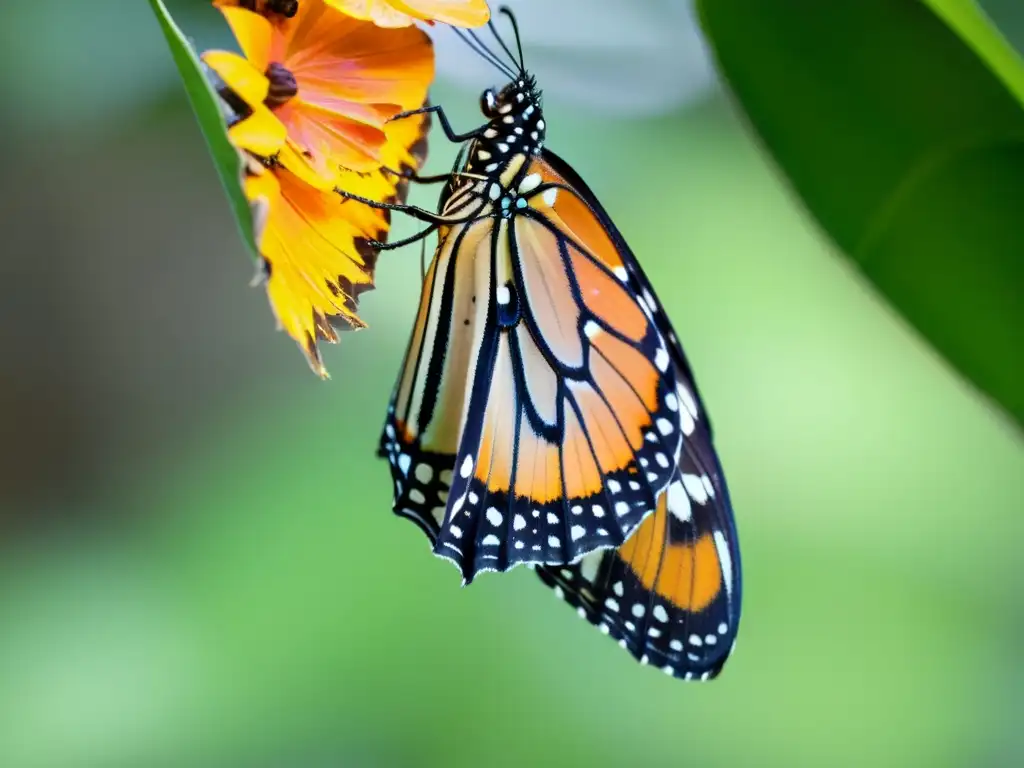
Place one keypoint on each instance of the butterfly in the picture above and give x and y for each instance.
(545, 413)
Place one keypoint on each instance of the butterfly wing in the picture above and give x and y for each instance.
(539, 386)
(671, 594)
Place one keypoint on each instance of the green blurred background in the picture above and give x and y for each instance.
(199, 565)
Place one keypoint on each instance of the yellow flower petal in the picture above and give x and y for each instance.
(318, 263)
(253, 33)
(380, 12)
(402, 13)
(458, 13)
(260, 133)
(239, 75)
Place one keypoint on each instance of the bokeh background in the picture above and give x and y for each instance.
(198, 563)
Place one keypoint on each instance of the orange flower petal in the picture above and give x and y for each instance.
(239, 75)
(458, 13)
(336, 58)
(351, 78)
(253, 33)
(292, 158)
(328, 140)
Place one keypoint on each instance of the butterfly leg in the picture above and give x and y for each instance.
(380, 246)
(422, 214)
(455, 138)
(413, 176)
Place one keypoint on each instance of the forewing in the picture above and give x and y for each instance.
(579, 427)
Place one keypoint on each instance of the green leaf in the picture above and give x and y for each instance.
(206, 105)
(900, 124)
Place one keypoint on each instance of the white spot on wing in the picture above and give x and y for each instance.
(708, 486)
(679, 502)
(494, 517)
(467, 466)
(687, 400)
(530, 183)
(695, 488)
(661, 359)
(549, 196)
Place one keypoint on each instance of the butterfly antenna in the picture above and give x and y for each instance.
(481, 50)
(494, 31)
(506, 11)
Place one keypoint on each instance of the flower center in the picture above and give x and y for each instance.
(286, 8)
(282, 85)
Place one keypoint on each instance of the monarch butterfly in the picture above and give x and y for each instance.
(545, 413)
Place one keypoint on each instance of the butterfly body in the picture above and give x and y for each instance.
(545, 413)
(494, 320)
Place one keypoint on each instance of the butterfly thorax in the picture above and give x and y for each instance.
(514, 133)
